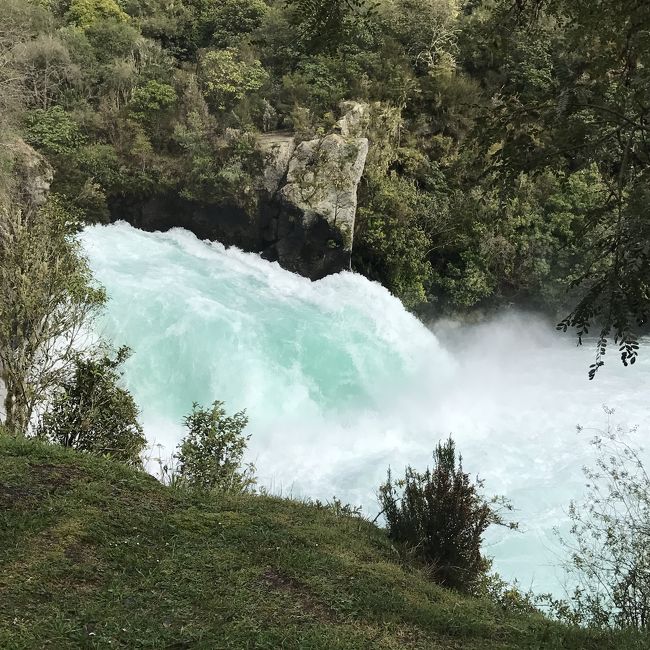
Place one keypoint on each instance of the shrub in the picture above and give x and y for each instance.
(609, 541)
(53, 130)
(92, 413)
(226, 78)
(210, 456)
(149, 100)
(441, 516)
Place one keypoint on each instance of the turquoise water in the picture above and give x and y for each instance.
(339, 381)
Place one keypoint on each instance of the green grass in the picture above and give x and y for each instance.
(94, 555)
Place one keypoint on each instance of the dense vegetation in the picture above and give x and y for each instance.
(508, 157)
(97, 555)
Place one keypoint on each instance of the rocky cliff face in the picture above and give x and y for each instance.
(31, 173)
(307, 201)
(311, 205)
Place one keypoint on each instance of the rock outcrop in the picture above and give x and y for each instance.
(32, 173)
(311, 207)
(307, 200)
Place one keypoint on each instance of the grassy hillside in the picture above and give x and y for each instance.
(95, 555)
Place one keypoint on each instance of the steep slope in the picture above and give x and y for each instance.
(95, 555)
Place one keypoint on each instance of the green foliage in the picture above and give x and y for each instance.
(326, 25)
(86, 13)
(608, 541)
(110, 40)
(226, 78)
(524, 248)
(47, 70)
(228, 23)
(152, 105)
(441, 516)
(319, 84)
(217, 169)
(47, 299)
(151, 98)
(427, 31)
(577, 102)
(394, 242)
(210, 455)
(53, 130)
(92, 413)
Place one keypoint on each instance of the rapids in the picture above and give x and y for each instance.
(340, 382)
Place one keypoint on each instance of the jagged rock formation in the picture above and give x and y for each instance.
(307, 200)
(311, 207)
(31, 173)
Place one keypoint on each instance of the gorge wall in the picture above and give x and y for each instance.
(306, 201)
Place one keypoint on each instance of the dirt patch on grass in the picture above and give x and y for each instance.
(42, 479)
(55, 476)
(79, 553)
(17, 496)
(308, 602)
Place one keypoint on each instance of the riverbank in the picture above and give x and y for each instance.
(96, 555)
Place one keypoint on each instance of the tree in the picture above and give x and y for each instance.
(91, 412)
(147, 101)
(326, 25)
(576, 94)
(47, 300)
(85, 13)
(228, 22)
(20, 22)
(151, 105)
(394, 225)
(427, 30)
(210, 455)
(47, 69)
(441, 515)
(226, 78)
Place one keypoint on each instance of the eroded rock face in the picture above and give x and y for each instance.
(278, 148)
(33, 173)
(355, 120)
(306, 208)
(317, 206)
(310, 197)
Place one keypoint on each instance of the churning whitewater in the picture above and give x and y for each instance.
(340, 382)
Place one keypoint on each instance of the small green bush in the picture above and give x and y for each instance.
(92, 413)
(441, 516)
(53, 130)
(210, 456)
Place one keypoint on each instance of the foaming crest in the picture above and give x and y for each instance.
(340, 381)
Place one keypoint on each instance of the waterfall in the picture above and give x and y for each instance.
(339, 381)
